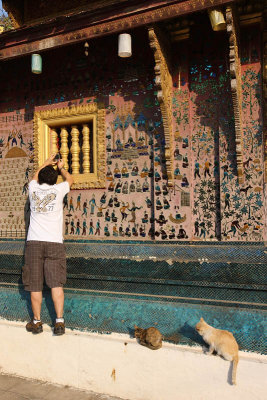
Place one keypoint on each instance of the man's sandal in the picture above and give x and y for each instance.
(59, 328)
(34, 328)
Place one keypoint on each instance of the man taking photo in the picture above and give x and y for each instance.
(45, 252)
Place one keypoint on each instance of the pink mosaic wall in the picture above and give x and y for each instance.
(206, 202)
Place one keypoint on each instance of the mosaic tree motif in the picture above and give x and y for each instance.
(242, 210)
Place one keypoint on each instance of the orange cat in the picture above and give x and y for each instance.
(150, 337)
(223, 342)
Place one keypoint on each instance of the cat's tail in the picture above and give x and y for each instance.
(235, 362)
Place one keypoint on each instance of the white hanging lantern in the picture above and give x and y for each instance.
(125, 45)
(217, 20)
(36, 64)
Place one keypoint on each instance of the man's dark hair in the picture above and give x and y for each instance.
(48, 175)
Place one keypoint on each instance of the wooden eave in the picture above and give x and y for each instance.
(72, 29)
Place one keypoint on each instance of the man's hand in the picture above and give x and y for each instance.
(60, 164)
(50, 160)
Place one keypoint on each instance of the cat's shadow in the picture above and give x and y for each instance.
(131, 332)
(190, 333)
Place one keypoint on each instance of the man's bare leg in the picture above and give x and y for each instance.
(36, 300)
(58, 299)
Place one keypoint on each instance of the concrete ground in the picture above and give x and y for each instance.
(15, 388)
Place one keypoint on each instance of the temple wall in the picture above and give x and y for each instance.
(206, 202)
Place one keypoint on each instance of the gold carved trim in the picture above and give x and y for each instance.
(60, 117)
(236, 87)
(164, 95)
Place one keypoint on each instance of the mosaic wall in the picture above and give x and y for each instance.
(206, 202)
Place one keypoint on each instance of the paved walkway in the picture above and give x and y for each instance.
(14, 388)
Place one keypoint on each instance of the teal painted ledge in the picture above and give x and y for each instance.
(176, 321)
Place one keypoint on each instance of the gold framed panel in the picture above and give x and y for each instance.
(46, 119)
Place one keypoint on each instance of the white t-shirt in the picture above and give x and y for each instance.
(46, 201)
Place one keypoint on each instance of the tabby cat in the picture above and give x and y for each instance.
(150, 337)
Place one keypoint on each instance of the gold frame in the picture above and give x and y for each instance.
(46, 119)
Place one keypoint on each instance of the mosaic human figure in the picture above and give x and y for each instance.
(118, 143)
(14, 140)
(207, 168)
(177, 170)
(227, 201)
(166, 204)
(27, 172)
(182, 233)
(172, 233)
(197, 168)
(157, 176)
(196, 224)
(111, 186)
(98, 227)
(78, 204)
(135, 169)
(132, 210)
(66, 227)
(144, 171)
(165, 190)
(117, 173)
(185, 161)
(21, 140)
(158, 204)
(148, 202)
(132, 187)
(125, 188)
(92, 204)
(78, 227)
(128, 231)
(25, 188)
(138, 186)
(234, 226)
(103, 198)
(118, 187)
(185, 182)
(85, 208)
(71, 205)
(157, 190)
(91, 227)
(72, 226)
(142, 232)
(145, 186)
(145, 218)
(84, 227)
(115, 230)
(107, 216)
(106, 231)
(225, 173)
(65, 202)
(202, 230)
(113, 216)
(123, 208)
(124, 171)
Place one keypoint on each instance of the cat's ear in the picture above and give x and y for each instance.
(135, 327)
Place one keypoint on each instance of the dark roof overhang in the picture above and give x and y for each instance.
(80, 27)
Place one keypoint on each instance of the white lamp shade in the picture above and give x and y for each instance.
(125, 45)
(36, 64)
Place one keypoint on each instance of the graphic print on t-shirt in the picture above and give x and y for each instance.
(39, 204)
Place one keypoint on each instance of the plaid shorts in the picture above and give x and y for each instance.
(44, 260)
